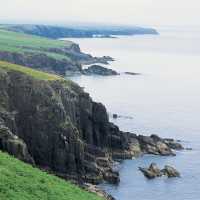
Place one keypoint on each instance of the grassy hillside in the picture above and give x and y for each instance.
(28, 71)
(19, 181)
(20, 42)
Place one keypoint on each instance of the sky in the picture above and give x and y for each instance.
(127, 12)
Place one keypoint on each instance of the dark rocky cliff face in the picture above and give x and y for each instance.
(58, 127)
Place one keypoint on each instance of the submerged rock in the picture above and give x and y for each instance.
(99, 70)
(132, 73)
(188, 149)
(115, 116)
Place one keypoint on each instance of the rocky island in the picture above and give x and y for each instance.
(153, 171)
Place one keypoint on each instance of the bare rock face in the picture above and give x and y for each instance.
(13, 145)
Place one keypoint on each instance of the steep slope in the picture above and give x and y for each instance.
(52, 123)
(19, 181)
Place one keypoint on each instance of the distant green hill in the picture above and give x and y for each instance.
(23, 43)
(40, 53)
(20, 181)
(43, 53)
(78, 31)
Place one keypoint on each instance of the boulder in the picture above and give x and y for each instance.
(173, 144)
(155, 145)
(154, 168)
(163, 149)
(111, 177)
(153, 171)
(170, 171)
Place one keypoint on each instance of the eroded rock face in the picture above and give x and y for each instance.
(13, 144)
(57, 126)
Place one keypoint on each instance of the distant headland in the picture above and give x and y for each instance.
(55, 32)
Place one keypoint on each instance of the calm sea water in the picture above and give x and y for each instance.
(164, 100)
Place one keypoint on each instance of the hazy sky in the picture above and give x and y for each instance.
(134, 12)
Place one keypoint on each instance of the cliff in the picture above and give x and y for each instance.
(53, 124)
(45, 54)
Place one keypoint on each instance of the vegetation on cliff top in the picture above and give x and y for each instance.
(20, 181)
(21, 43)
(39, 75)
(30, 72)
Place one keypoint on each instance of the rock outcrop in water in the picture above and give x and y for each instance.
(56, 126)
(153, 171)
(99, 70)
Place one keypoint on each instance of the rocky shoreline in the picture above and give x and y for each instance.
(56, 126)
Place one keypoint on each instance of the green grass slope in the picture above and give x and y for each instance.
(20, 181)
(21, 43)
(30, 72)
